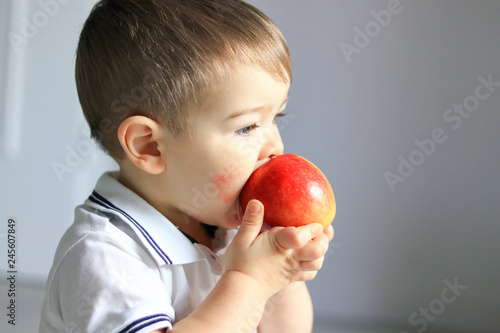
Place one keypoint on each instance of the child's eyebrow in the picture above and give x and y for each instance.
(257, 109)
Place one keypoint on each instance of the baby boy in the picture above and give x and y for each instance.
(184, 95)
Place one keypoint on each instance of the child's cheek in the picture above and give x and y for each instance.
(222, 182)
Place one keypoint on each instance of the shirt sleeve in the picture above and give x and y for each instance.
(103, 285)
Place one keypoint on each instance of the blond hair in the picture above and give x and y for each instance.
(156, 58)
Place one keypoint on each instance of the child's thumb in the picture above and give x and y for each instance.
(251, 222)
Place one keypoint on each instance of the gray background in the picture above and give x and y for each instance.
(392, 250)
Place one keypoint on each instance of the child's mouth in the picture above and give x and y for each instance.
(263, 161)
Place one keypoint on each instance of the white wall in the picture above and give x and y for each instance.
(41, 124)
(392, 250)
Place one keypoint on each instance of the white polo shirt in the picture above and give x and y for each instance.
(123, 267)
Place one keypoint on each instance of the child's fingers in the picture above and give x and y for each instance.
(250, 224)
(306, 275)
(312, 265)
(295, 238)
(329, 232)
(314, 249)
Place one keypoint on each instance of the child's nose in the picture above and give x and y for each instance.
(272, 144)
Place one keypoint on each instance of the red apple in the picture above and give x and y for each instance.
(293, 190)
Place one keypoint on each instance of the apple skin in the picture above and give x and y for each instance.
(293, 190)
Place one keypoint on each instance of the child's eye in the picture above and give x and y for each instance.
(247, 130)
(280, 115)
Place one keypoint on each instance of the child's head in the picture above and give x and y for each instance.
(184, 95)
(158, 58)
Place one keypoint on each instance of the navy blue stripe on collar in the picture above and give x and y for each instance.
(194, 241)
(100, 200)
(139, 324)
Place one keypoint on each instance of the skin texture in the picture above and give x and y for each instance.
(222, 181)
(196, 179)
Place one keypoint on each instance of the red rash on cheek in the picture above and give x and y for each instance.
(222, 184)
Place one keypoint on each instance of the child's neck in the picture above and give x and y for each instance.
(199, 232)
(193, 228)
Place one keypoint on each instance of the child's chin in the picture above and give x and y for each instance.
(234, 221)
(239, 212)
(234, 217)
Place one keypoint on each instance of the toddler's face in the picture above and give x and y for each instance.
(234, 133)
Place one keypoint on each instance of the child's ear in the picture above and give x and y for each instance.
(140, 137)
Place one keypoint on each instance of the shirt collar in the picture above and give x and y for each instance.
(165, 242)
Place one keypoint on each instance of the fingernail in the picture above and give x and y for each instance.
(254, 208)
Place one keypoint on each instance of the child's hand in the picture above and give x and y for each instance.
(279, 256)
